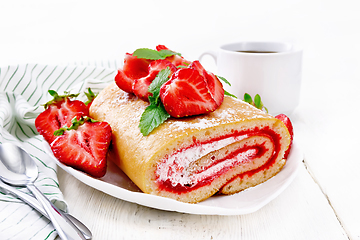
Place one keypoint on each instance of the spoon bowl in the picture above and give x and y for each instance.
(16, 166)
(19, 169)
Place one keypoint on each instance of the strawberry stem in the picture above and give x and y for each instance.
(58, 98)
(75, 123)
(90, 96)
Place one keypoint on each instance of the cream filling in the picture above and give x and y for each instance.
(176, 167)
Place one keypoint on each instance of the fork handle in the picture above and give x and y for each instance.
(64, 227)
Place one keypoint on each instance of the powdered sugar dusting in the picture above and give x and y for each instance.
(200, 124)
(123, 98)
(203, 122)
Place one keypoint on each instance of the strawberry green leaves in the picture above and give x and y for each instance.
(74, 125)
(90, 96)
(58, 98)
(155, 114)
(257, 101)
(154, 54)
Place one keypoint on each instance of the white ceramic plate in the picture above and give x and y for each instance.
(117, 184)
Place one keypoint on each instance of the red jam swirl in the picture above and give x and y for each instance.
(248, 153)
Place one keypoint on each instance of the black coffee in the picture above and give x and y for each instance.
(257, 51)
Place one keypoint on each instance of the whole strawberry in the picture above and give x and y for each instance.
(83, 145)
(59, 112)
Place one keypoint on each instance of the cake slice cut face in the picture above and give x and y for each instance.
(190, 159)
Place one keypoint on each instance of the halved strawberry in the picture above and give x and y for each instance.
(186, 94)
(59, 112)
(175, 59)
(286, 120)
(141, 85)
(214, 85)
(84, 146)
(133, 68)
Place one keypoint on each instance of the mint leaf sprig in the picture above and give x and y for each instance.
(152, 54)
(257, 101)
(155, 114)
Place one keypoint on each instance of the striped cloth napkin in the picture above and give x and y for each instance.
(23, 90)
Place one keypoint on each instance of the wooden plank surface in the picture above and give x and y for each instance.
(300, 212)
(327, 133)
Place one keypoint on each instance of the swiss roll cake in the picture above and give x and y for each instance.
(189, 159)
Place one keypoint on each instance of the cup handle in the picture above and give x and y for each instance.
(211, 53)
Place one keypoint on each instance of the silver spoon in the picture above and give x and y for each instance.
(19, 169)
(33, 202)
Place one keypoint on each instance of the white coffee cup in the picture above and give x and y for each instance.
(270, 69)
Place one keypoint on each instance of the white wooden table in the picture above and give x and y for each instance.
(323, 200)
(321, 203)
